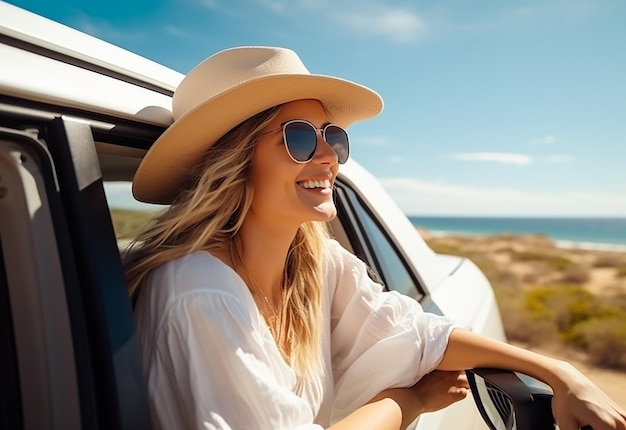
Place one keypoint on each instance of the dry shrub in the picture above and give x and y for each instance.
(575, 275)
(530, 278)
(528, 256)
(612, 260)
(608, 260)
(518, 324)
(564, 305)
(507, 249)
(444, 248)
(604, 339)
(616, 301)
(556, 262)
(569, 313)
(533, 333)
(534, 240)
(593, 324)
(498, 277)
(612, 291)
(128, 223)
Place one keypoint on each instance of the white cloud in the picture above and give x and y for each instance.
(373, 141)
(544, 140)
(557, 158)
(526, 19)
(437, 198)
(311, 4)
(277, 6)
(175, 31)
(368, 18)
(281, 6)
(396, 24)
(103, 30)
(565, 10)
(496, 157)
(210, 4)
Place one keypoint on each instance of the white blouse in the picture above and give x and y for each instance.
(212, 363)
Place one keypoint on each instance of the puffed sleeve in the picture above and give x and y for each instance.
(213, 369)
(379, 339)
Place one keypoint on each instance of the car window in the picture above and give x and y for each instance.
(129, 216)
(381, 252)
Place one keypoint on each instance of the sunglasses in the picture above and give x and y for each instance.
(300, 138)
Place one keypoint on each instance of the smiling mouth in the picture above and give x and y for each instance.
(310, 185)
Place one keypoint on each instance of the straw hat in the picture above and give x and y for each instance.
(228, 88)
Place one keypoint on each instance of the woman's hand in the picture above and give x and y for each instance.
(401, 406)
(578, 402)
(441, 388)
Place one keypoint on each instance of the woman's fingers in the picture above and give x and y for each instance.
(462, 380)
(441, 388)
(589, 408)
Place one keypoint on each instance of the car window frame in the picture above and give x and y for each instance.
(349, 203)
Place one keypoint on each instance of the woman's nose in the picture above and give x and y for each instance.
(324, 153)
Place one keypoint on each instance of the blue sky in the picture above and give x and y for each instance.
(491, 108)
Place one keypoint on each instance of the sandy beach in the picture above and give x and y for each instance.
(526, 269)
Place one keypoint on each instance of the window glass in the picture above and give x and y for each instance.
(129, 216)
(394, 271)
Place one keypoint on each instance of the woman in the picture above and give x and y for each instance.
(248, 315)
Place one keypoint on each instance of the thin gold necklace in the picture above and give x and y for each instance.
(273, 320)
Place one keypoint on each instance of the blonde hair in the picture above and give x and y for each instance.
(209, 213)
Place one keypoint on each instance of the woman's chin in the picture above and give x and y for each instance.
(325, 212)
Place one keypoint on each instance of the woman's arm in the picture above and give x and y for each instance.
(396, 408)
(368, 326)
(577, 401)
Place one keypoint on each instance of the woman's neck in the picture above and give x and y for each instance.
(263, 251)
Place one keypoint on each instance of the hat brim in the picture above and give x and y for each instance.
(164, 170)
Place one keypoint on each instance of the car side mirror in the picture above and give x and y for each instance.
(511, 401)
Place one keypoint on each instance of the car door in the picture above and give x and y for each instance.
(69, 355)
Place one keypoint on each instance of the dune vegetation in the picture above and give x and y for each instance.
(550, 296)
(127, 223)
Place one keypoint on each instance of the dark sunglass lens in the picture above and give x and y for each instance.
(337, 138)
(301, 141)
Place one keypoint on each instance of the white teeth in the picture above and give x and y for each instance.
(315, 184)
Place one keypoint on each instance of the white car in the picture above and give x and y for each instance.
(76, 112)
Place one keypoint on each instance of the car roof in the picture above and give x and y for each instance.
(55, 64)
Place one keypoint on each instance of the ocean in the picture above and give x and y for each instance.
(587, 233)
